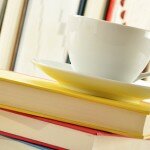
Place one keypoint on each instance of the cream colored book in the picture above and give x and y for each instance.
(65, 136)
(10, 31)
(49, 99)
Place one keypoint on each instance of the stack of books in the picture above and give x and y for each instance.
(44, 113)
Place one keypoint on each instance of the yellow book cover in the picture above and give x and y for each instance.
(48, 99)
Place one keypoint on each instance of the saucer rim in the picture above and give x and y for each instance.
(39, 61)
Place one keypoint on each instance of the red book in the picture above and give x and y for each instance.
(110, 10)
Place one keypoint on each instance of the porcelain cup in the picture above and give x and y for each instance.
(103, 49)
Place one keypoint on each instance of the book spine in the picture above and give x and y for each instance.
(106, 9)
(116, 12)
(110, 10)
(3, 4)
(20, 29)
(81, 8)
(9, 32)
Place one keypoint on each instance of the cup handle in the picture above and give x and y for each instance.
(143, 75)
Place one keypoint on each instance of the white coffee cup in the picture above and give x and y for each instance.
(108, 50)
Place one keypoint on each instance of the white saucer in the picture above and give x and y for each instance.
(97, 86)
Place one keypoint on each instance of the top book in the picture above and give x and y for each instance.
(48, 99)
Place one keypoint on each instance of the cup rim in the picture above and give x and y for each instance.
(112, 23)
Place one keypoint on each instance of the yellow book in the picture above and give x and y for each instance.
(48, 99)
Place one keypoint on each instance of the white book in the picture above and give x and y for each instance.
(138, 13)
(43, 33)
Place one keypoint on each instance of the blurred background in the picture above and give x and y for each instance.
(36, 28)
